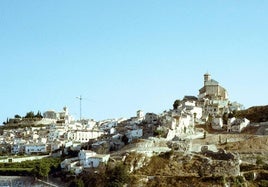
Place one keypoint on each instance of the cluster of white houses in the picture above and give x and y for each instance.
(210, 106)
(59, 131)
(62, 132)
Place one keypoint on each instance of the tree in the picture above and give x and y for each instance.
(176, 104)
(225, 118)
(77, 183)
(17, 116)
(230, 115)
(259, 161)
(159, 133)
(117, 176)
(204, 135)
(30, 115)
(125, 139)
(6, 122)
(92, 178)
(42, 168)
(38, 115)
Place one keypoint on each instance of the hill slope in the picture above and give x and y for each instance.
(255, 114)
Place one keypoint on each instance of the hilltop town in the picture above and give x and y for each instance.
(200, 140)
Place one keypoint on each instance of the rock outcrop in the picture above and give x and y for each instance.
(136, 161)
(180, 146)
(218, 163)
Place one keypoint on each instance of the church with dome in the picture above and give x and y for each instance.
(212, 90)
(213, 98)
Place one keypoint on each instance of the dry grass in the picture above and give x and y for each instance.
(252, 145)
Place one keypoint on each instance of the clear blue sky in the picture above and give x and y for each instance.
(122, 56)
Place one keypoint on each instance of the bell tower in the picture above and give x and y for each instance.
(207, 77)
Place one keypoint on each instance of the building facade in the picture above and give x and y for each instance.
(212, 89)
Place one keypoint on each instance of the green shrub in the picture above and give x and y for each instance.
(247, 167)
(167, 155)
(77, 183)
(237, 181)
(117, 176)
(39, 168)
(249, 176)
(265, 166)
(263, 183)
(259, 161)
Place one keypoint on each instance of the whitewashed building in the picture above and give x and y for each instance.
(197, 112)
(63, 116)
(17, 148)
(237, 124)
(235, 106)
(83, 136)
(137, 119)
(90, 159)
(140, 114)
(217, 123)
(89, 124)
(134, 134)
(85, 159)
(108, 125)
(56, 145)
(185, 124)
(35, 148)
(66, 163)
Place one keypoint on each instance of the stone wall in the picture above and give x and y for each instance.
(180, 146)
(150, 147)
(219, 163)
(21, 159)
(16, 181)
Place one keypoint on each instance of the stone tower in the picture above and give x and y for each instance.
(207, 77)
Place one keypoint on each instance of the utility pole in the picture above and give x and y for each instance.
(80, 99)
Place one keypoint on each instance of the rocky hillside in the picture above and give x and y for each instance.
(241, 161)
(205, 169)
(255, 114)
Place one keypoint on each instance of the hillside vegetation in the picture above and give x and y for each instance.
(255, 114)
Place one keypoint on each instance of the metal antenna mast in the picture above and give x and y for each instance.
(80, 99)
